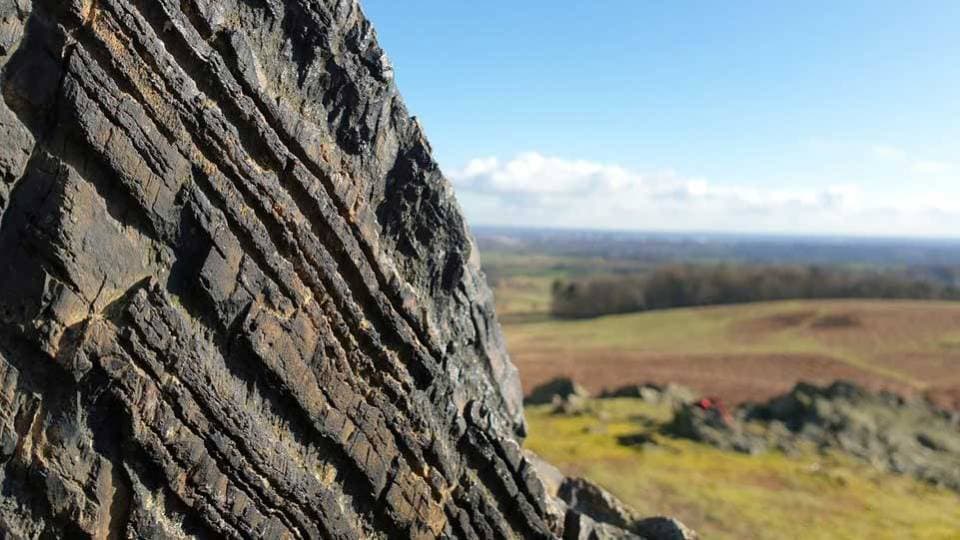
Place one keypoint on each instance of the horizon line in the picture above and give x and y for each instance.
(745, 234)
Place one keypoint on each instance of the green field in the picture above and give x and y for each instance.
(522, 282)
(739, 352)
(901, 345)
(744, 352)
(725, 495)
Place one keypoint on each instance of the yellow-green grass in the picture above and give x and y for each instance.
(733, 496)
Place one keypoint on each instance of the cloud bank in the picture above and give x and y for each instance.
(532, 189)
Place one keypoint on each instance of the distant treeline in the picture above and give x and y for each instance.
(707, 285)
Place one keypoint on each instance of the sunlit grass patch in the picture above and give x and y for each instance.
(729, 495)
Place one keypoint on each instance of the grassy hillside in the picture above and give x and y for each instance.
(752, 352)
(731, 496)
(745, 352)
(522, 281)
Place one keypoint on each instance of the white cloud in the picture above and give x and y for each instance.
(932, 167)
(539, 190)
(532, 174)
(889, 152)
(911, 163)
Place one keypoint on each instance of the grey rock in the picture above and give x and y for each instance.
(906, 436)
(237, 296)
(714, 427)
(551, 391)
(892, 433)
(590, 499)
(663, 528)
(566, 396)
(571, 405)
(580, 526)
(594, 513)
(671, 394)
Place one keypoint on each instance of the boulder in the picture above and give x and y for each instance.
(596, 513)
(909, 436)
(714, 426)
(237, 296)
(555, 390)
(671, 394)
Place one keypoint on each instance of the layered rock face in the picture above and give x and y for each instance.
(237, 297)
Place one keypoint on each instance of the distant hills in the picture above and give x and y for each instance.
(666, 247)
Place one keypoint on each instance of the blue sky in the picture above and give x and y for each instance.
(837, 117)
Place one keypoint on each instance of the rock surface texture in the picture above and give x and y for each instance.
(237, 297)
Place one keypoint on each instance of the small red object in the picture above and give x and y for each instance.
(716, 404)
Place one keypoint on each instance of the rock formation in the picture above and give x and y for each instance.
(892, 433)
(237, 297)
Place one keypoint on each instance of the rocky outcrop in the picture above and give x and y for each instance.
(595, 513)
(565, 395)
(882, 429)
(237, 297)
(905, 436)
(671, 394)
(557, 389)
